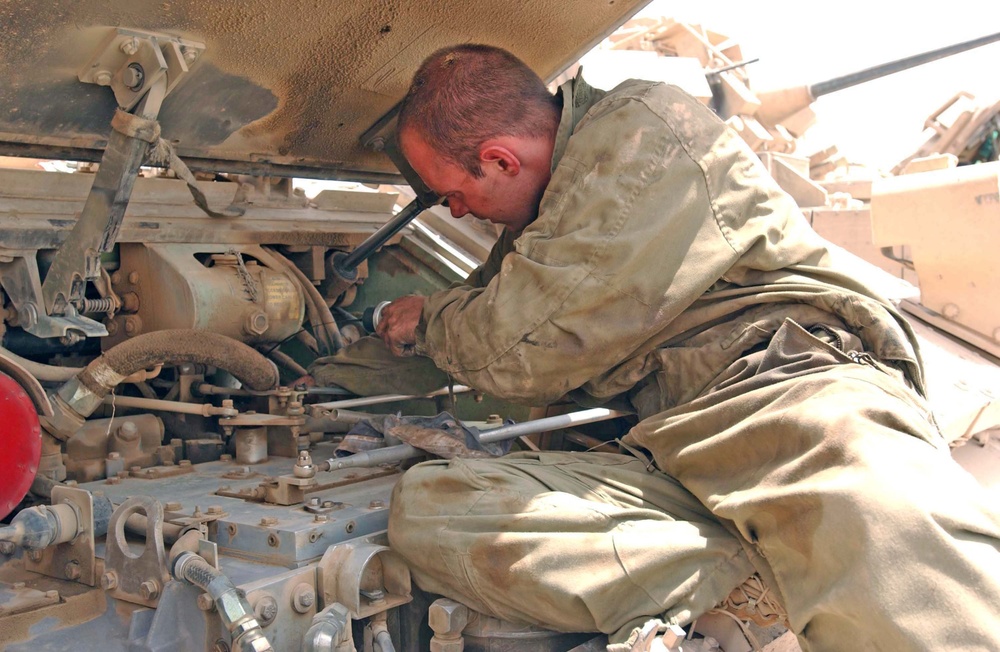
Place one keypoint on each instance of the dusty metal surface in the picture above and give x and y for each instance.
(290, 84)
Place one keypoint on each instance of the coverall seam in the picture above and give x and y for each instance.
(698, 161)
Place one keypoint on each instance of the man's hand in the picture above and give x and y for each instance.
(398, 323)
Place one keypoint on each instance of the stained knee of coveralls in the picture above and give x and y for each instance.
(517, 542)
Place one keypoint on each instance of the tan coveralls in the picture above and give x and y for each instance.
(667, 274)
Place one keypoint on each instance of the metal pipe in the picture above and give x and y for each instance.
(548, 423)
(204, 410)
(392, 454)
(388, 398)
(868, 74)
(734, 66)
(231, 603)
(349, 263)
(43, 372)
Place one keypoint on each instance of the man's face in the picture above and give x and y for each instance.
(510, 200)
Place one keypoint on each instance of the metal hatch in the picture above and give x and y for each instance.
(283, 88)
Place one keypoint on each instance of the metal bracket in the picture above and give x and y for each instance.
(73, 560)
(130, 61)
(20, 280)
(364, 577)
(141, 68)
(136, 578)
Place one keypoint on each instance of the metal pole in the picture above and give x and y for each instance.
(868, 74)
(386, 398)
(392, 454)
(361, 253)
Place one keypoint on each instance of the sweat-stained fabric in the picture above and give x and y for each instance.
(667, 273)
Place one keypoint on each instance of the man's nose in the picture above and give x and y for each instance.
(457, 208)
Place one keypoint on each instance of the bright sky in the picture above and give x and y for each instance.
(802, 42)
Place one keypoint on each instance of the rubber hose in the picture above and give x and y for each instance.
(177, 346)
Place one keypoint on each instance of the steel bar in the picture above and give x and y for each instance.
(387, 398)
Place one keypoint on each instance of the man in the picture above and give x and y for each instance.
(649, 263)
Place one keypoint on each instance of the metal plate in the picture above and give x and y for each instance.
(281, 87)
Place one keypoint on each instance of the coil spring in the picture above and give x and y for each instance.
(97, 305)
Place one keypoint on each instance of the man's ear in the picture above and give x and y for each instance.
(501, 158)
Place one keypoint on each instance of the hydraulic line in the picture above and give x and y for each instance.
(231, 603)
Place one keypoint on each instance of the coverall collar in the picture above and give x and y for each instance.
(577, 98)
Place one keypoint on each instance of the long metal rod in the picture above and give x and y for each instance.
(380, 237)
(205, 410)
(548, 423)
(392, 454)
(868, 74)
(387, 398)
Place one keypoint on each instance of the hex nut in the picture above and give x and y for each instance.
(35, 555)
(303, 598)
(149, 590)
(102, 78)
(447, 618)
(447, 645)
(205, 602)
(266, 610)
(109, 581)
(256, 323)
(72, 570)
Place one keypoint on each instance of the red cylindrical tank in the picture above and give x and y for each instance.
(20, 443)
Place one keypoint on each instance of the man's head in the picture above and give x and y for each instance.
(479, 127)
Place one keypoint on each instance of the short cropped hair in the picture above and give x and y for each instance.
(466, 94)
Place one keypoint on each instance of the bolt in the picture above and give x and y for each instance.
(205, 602)
(256, 323)
(447, 618)
(128, 431)
(303, 597)
(112, 327)
(135, 469)
(27, 315)
(35, 555)
(214, 509)
(172, 506)
(220, 646)
(130, 46)
(190, 55)
(327, 503)
(321, 518)
(133, 325)
(72, 570)
(109, 581)
(149, 590)
(376, 504)
(266, 610)
(7, 548)
(184, 463)
(494, 419)
(114, 480)
(102, 78)
(314, 502)
(225, 457)
(133, 277)
(268, 520)
(52, 595)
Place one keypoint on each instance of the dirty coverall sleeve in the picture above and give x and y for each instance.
(622, 244)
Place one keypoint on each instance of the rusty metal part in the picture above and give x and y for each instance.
(364, 577)
(71, 554)
(102, 448)
(78, 259)
(386, 398)
(139, 577)
(201, 409)
(447, 619)
(235, 612)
